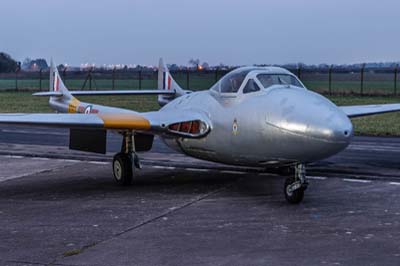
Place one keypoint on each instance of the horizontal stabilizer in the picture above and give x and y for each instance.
(108, 92)
(49, 94)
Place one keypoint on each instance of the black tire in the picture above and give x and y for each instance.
(122, 169)
(296, 196)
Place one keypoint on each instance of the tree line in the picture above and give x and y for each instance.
(7, 63)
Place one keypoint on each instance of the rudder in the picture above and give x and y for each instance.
(166, 82)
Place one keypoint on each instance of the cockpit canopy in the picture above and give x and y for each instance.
(268, 80)
(232, 81)
(252, 79)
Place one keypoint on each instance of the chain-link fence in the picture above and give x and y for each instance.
(358, 81)
(331, 80)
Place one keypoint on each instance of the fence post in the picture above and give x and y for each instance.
(299, 71)
(216, 74)
(65, 75)
(90, 78)
(140, 78)
(362, 79)
(113, 78)
(16, 75)
(16, 79)
(395, 79)
(330, 79)
(187, 78)
(40, 78)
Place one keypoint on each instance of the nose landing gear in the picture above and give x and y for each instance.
(296, 185)
(126, 161)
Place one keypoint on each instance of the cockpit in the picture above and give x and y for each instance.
(252, 79)
(232, 81)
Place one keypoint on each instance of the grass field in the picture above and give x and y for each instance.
(380, 125)
(376, 125)
(348, 87)
(345, 83)
(24, 102)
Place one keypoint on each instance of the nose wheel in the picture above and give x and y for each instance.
(296, 185)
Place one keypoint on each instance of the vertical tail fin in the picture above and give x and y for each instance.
(166, 82)
(62, 102)
(56, 83)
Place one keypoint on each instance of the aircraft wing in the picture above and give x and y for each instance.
(373, 109)
(95, 121)
(107, 92)
(188, 124)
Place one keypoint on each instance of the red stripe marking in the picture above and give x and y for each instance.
(169, 82)
(56, 85)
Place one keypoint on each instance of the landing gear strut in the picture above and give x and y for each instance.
(296, 184)
(125, 161)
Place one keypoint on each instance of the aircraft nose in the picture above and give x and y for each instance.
(312, 120)
(327, 123)
(338, 129)
(321, 124)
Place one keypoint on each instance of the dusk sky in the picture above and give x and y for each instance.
(224, 31)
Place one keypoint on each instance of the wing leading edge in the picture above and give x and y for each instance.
(188, 124)
(95, 121)
(364, 110)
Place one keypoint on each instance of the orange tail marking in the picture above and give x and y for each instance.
(73, 105)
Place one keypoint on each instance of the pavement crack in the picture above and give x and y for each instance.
(170, 211)
(23, 262)
(151, 220)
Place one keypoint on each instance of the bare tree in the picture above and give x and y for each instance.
(194, 62)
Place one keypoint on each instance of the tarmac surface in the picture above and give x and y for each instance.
(61, 207)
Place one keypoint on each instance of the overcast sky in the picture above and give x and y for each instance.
(227, 31)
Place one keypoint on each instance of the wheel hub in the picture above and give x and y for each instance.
(117, 170)
(291, 188)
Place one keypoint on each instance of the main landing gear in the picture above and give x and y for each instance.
(296, 184)
(126, 161)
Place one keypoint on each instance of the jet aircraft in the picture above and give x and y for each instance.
(253, 116)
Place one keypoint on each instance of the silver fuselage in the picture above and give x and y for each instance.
(275, 126)
(278, 125)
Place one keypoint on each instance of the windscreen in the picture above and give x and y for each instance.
(251, 86)
(268, 80)
(232, 81)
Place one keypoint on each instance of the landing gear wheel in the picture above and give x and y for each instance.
(122, 169)
(293, 196)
